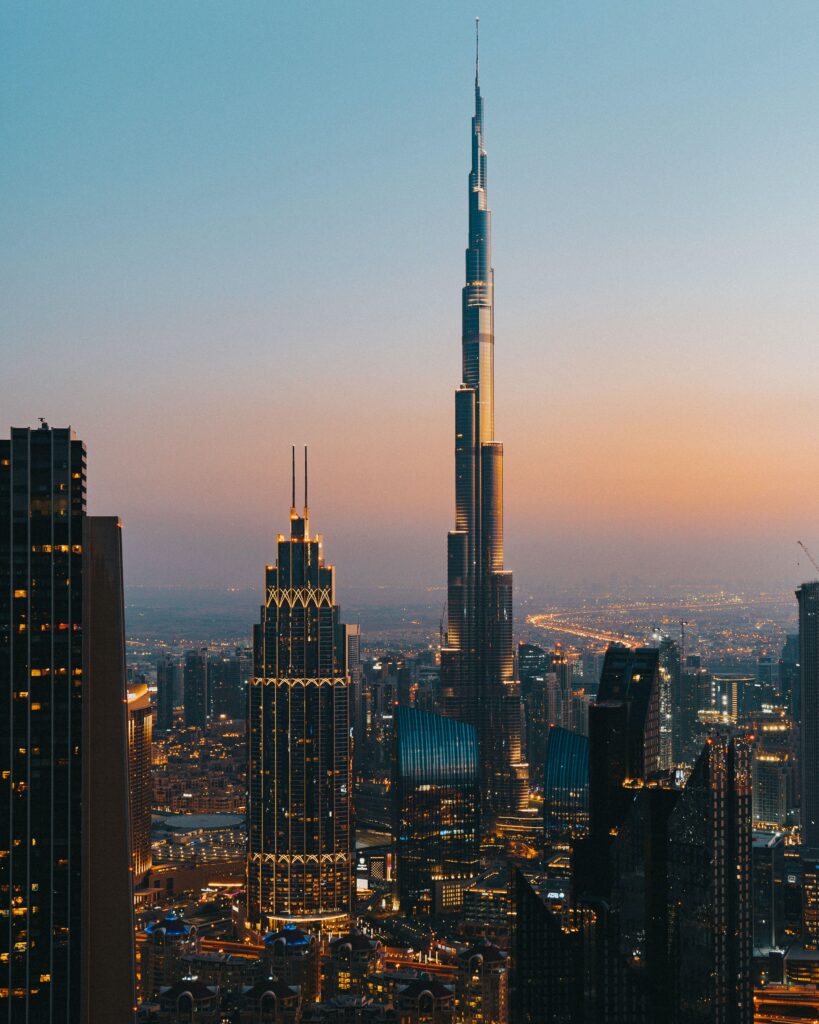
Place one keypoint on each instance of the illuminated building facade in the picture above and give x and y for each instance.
(808, 597)
(478, 663)
(299, 865)
(566, 785)
(482, 985)
(63, 747)
(140, 723)
(435, 793)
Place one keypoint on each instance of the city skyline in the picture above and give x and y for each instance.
(672, 258)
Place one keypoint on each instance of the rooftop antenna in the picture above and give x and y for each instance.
(305, 477)
(293, 481)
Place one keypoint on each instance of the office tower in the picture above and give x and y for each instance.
(435, 780)
(299, 865)
(167, 685)
(770, 774)
(624, 731)
(226, 694)
(633, 934)
(789, 675)
(139, 773)
(693, 696)
(808, 597)
(533, 661)
(669, 684)
(768, 891)
(195, 685)
(482, 985)
(710, 902)
(553, 954)
(63, 766)
(478, 662)
(566, 786)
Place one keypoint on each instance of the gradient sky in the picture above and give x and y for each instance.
(226, 227)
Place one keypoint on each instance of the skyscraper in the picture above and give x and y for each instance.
(478, 664)
(435, 801)
(63, 753)
(299, 866)
(808, 597)
(140, 725)
(196, 689)
(709, 875)
(167, 683)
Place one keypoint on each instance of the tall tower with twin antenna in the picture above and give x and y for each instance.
(478, 663)
(299, 864)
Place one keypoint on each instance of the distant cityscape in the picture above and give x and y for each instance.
(237, 807)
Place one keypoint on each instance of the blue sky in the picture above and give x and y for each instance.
(229, 227)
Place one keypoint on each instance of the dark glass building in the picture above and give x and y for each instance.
(167, 686)
(479, 684)
(566, 785)
(709, 877)
(808, 597)
(195, 686)
(63, 747)
(553, 957)
(299, 866)
(435, 781)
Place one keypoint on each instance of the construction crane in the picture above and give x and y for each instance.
(810, 556)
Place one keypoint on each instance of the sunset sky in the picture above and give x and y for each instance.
(226, 228)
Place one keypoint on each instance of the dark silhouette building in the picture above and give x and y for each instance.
(808, 597)
(710, 901)
(299, 865)
(478, 662)
(553, 957)
(435, 791)
(195, 689)
(63, 764)
(167, 687)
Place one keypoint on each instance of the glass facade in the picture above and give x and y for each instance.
(435, 787)
(299, 771)
(566, 785)
(478, 679)
(42, 506)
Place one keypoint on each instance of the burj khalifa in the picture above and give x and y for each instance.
(478, 674)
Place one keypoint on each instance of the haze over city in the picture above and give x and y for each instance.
(251, 245)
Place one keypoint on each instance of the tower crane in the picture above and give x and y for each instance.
(810, 556)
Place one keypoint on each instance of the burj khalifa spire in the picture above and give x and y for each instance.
(478, 663)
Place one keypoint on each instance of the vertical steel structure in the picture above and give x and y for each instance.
(478, 664)
(299, 867)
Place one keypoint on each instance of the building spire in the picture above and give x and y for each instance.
(477, 54)
(305, 482)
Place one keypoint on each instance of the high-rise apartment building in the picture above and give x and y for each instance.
(478, 676)
(140, 724)
(808, 597)
(299, 866)
(435, 778)
(63, 746)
